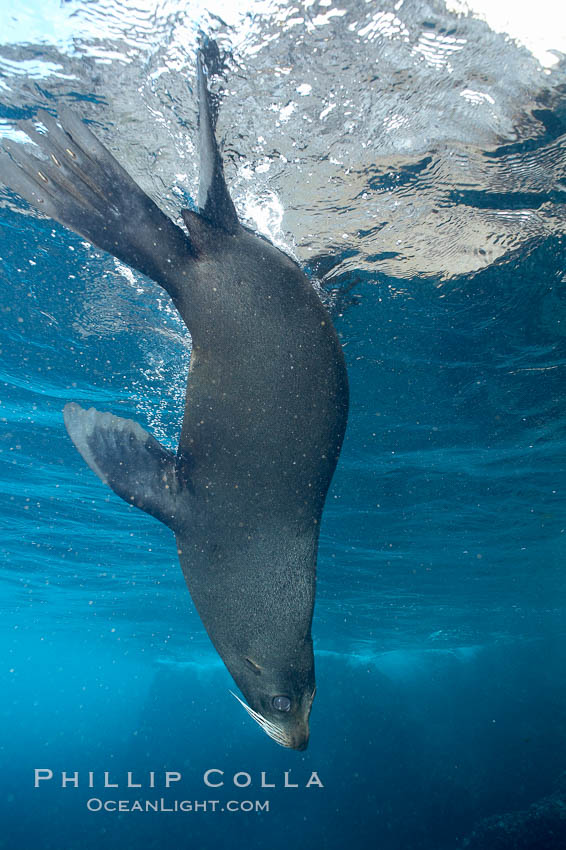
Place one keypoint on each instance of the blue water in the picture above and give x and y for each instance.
(440, 622)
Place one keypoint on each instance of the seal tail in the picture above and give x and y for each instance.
(80, 184)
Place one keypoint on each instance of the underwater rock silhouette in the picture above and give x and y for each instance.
(540, 827)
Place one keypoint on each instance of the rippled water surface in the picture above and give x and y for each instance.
(411, 156)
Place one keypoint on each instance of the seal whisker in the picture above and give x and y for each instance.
(274, 732)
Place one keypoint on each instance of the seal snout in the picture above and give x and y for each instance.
(302, 743)
(298, 734)
(293, 735)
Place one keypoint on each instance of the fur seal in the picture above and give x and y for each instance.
(265, 414)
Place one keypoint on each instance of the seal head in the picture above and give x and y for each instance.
(280, 701)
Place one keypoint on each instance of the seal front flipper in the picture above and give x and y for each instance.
(126, 458)
(81, 185)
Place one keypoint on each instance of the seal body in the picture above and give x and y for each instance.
(264, 419)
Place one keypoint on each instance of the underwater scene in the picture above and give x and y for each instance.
(410, 157)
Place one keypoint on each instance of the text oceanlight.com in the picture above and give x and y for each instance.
(188, 806)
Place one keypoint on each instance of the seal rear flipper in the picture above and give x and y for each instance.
(214, 199)
(81, 185)
(126, 458)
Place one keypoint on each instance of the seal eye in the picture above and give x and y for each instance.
(281, 703)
